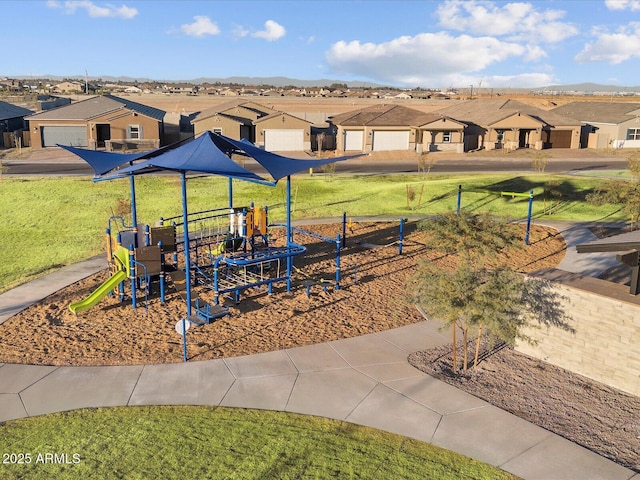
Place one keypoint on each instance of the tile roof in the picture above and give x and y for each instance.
(489, 111)
(382, 115)
(95, 107)
(600, 112)
(9, 110)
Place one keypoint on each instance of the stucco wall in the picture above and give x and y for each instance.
(606, 343)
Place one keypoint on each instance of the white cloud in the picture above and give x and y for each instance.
(516, 21)
(71, 6)
(613, 48)
(200, 27)
(272, 31)
(623, 4)
(423, 59)
(239, 32)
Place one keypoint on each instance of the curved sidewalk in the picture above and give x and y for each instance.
(365, 380)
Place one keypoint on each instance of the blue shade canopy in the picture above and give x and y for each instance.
(103, 162)
(199, 155)
(277, 165)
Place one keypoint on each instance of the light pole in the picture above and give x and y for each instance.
(471, 87)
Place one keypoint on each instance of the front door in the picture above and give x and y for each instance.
(103, 132)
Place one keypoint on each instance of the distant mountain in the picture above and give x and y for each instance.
(253, 81)
(589, 87)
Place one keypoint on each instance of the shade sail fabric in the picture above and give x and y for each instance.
(277, 165)
(200, 155)
(103, 162)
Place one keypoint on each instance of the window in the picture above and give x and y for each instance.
(633, 134)
(446, 137)
(134, 132)
(217, 130)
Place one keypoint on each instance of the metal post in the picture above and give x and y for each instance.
(526, 240)
(230, 193)
(459, 199)
(338, 262)
(289, 233)
(134, 215)
(401, 236)
(187, 256)
(344, 229)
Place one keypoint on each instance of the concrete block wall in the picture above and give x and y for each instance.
(605, 344)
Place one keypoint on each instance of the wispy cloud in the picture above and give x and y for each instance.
(201, 26)
(419, 60)
(272, 31)
(515, 21)
(70, 7)
(622, 4)
(613, 48)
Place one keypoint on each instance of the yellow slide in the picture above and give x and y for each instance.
(99, 293)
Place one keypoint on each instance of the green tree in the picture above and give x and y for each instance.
(480, 294)
(625, 193)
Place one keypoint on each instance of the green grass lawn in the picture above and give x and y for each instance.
(50, 222)
(216, 443)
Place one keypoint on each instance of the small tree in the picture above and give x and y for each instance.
(625, 193)
(540, 161)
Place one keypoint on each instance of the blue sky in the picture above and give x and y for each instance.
(430, 44)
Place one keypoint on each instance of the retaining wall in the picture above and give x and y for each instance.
(605, 344)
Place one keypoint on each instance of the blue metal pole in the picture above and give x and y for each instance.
(526, 240)
(187, 256)
(184, 337)
(289, 239)
(344, 229)
(230, 193)
(134, 215)
(401, 236)
(459, 199)
(338, 262)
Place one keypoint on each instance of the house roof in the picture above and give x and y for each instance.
(279, 114)
(382, 115)
(97, 106)
(599, 112)
(225, 107)
(490, 111)
(9, 110)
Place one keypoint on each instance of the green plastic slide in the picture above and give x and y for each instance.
(99, 293)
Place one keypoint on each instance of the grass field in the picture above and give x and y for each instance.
(217, 443)
(51, 222)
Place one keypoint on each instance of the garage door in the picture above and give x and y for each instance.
(74, 136)
(353, 140)
(283, 140)
(390, 141)
(560, 138)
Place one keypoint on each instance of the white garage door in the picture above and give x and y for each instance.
(283, 140)
(390, 141)
(73, 136)
(353, 140)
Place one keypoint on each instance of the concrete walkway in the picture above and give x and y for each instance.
(365, 380)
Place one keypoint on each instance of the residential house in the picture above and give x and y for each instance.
(12, 123)
(68, 87)
(606, 124)
(267, 128)
(396, 127)
(105, 121)
(509, 124)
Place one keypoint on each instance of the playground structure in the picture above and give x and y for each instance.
(239, 257)
(528, 195)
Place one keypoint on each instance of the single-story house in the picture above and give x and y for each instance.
(105, 121)
(509, 124)
(396, 127)
(606, 124)
(12, 120)
(267, 128)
